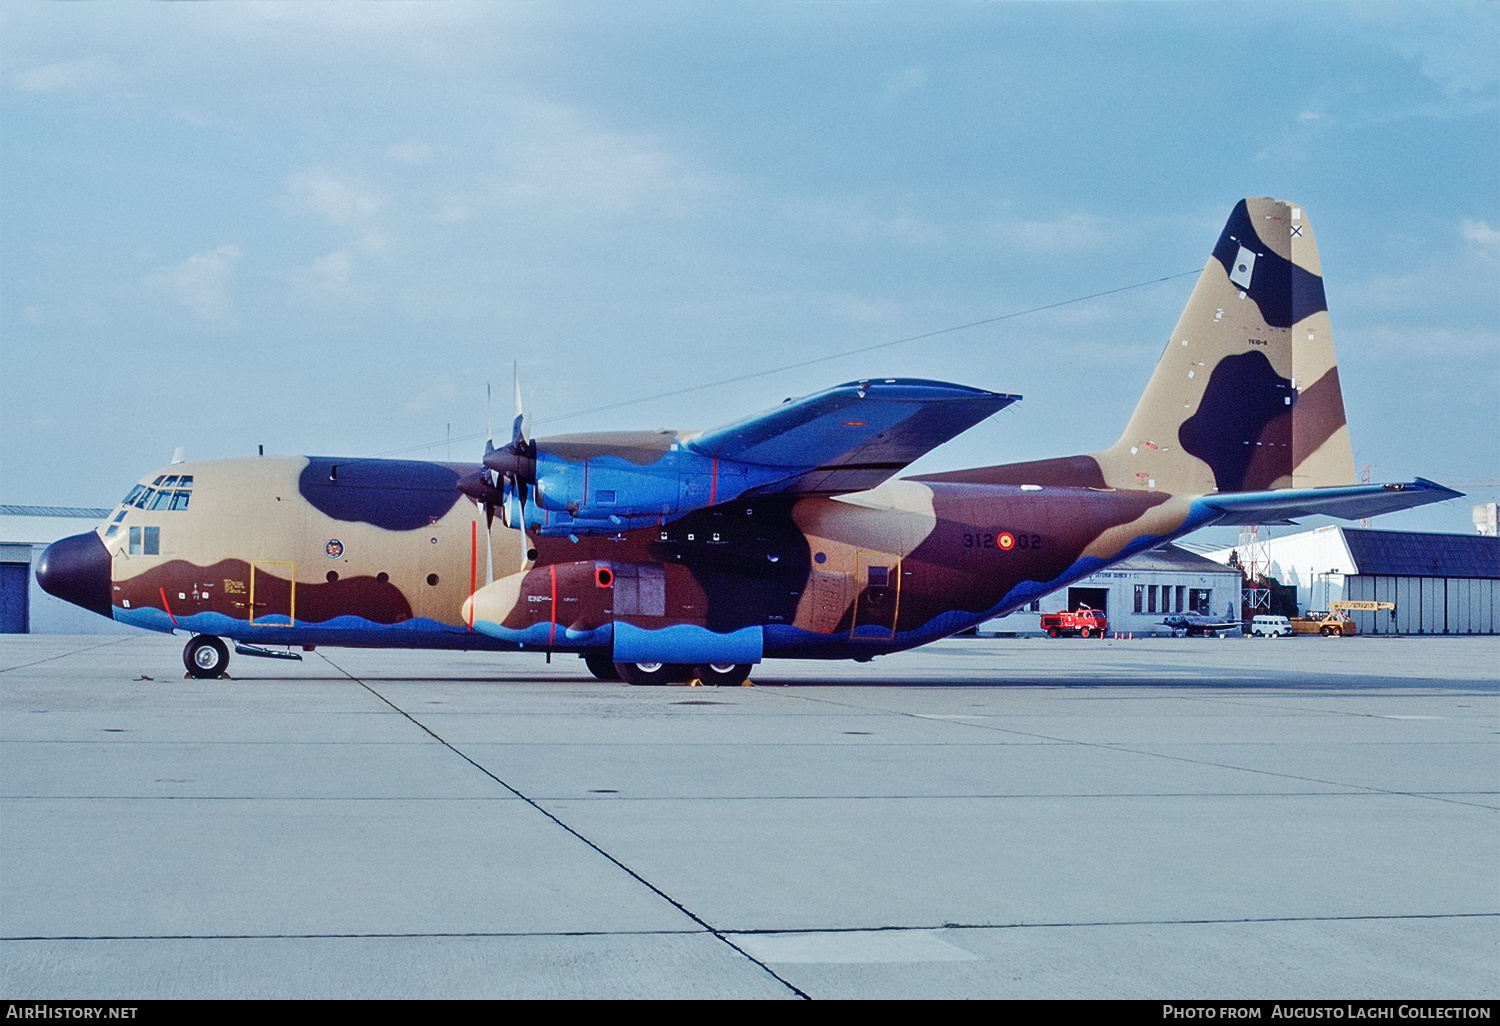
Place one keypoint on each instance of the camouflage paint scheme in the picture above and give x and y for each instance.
(784, 535)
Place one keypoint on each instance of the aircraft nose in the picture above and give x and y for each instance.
(77, 570)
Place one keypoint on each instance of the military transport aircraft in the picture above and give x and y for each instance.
(666, 556)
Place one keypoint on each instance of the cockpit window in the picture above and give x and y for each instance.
(174, 493)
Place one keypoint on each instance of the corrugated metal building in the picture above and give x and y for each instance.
(1440, 583)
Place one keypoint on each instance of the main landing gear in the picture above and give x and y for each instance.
(206, 657)
(717, 674)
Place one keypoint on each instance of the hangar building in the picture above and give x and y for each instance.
(1135, 594)
(24, 607)
(1440, 583)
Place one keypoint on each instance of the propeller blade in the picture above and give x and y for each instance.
(489, 420)
(518, 426)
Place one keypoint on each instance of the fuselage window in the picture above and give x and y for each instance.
(169, 482)
(113, 530)
(145, 498)
(180, 499)
(163, 498)
(186, 482)
(153, 541)
(134, 494)
(158, 479)
(120, 515)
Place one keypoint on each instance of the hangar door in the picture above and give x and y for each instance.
(15, 598)
(1094, 598)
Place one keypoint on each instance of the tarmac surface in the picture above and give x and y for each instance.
(1297, 818)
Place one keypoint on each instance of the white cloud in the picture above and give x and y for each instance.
(437, 394)
(412, 151)
(201, 283)
(1480, 232)
(568, 162)
(333, 270)
(1454, 44)
(861, 218)
(905, 81)
(83, 73)
(864, 311)
(325, 195)
(1072, 233)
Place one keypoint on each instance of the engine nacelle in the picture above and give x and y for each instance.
(593, 484)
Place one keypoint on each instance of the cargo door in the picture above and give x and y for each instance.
(273, 593)
(877, 575)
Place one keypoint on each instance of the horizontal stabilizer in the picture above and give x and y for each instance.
(853, 436)
(1349, 502)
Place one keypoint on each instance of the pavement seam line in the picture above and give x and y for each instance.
(1111, 747)
(64, 655)
(1081, 924)
(717, 934)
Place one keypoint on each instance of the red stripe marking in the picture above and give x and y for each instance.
(553, 636)
(713, 490)
(165, 606)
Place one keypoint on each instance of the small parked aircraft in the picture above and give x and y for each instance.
(663, 556)
(1196, 624)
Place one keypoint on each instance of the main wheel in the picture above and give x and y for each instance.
(723, 674)
(654, 673)
(1053, 632)
(206, 657)
(1337, 632)
(1326, 631)
(1085, 632)
(600, 666)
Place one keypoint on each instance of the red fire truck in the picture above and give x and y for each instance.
(1084, 622)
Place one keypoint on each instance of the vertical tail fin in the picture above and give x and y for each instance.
(1246, 396)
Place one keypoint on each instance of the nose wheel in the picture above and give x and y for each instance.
(206, 657)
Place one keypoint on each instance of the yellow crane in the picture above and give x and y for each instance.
(1337, 623)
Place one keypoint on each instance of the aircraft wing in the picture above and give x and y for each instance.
(852, 436)
(1350, 502)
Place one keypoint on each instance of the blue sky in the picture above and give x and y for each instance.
(324, 227)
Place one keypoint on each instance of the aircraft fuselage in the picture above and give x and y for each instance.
(299, 551)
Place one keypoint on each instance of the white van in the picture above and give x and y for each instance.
(1270, 627)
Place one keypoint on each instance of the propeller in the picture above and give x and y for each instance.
(483, 486)
(509, 471)
(515, 464)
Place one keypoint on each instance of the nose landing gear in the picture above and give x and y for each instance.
(206, 657)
